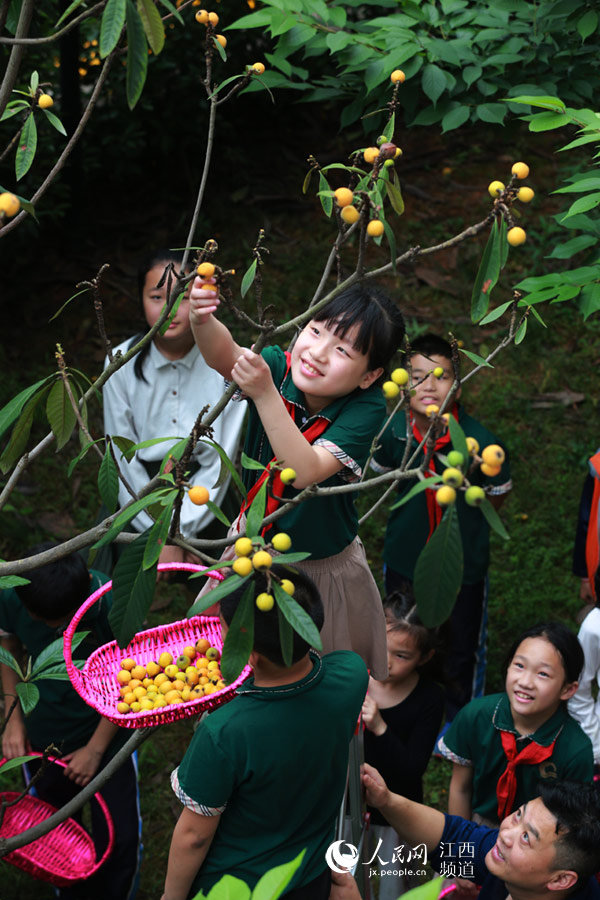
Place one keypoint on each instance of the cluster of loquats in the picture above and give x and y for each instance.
(194, 674)
(251, 555)
(490, 461)
(204, 17)
(498, 190)
(400, 378)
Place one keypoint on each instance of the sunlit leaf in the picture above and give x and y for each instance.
(273, 883)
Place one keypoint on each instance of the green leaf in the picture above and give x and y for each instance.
(153, 24)
(417, 489)
(589, 300)
(28, 695)
(457, 436)
(433, 82)
(53, 654)
(495, 313)
(487, 275)
(127, 515)
(16, 762)
(307, 178)
(226, 466)
(251, 464)
(157, 536)
(108, 480)
(218, 513)
(439, 571)
(394, 196)
(113, 20)
(173, 10)
(286, 559)
(455, 118)
(219, 48)
(26, 148)
(390, 127)
(228, 887)
(548, 121)
(474, 357)
(274, 882)
(6, 657)
(71, 8)
(286, 638)
(578, 187)
(12, 581)
(19, 437)
(239, 638)
(587, 24)
(125, 445)
(471, 74)
(55, 121)
(521, 332)
(13, 408)
(582, 205)
(222, 590)
(494, 520)
(133, 590)
(60, 412)
(428, 891)
(248, 279)
(137, 56)
(543, 102)
(326, 202)
(492, 112)
(298, 618)
(575, 245)
(256, 513)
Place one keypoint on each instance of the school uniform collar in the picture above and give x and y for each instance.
(285, 691)
(161, 362)
(502, 720)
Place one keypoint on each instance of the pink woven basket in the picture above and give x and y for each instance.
(64, 855)
(97, 681)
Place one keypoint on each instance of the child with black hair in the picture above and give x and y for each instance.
(410, 526)
(32, 616)
(316, 410)
(159, 393)
(402, 717)
(502, 745)
(264, 775)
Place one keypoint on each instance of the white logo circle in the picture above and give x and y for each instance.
(339, 861)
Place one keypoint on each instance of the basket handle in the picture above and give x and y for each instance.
(110, 825)
(73, 672)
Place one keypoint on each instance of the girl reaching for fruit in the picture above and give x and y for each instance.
(159, 394)
(316, 410)
(402, 715)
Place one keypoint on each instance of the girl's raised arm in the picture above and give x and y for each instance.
(214, 340)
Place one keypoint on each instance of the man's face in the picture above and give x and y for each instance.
(524, 853)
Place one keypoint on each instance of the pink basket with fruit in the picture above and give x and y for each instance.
(101, 679)
(63, 856)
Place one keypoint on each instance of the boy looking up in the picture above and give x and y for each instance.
(264, 775)
(410, 526)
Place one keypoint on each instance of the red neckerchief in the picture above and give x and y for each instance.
(434, 510)
(314, 430)
(506, 788)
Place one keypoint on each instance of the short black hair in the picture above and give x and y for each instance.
(380, 322)
(57, 589)
(401, 614)
(431, 344)
(162, 256)
(576, 808)
(266, 624)
(564, 641)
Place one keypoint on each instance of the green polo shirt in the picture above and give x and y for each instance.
(474, 739)
(276, 759)
(322, 526)
(408, 526)
(61, 716)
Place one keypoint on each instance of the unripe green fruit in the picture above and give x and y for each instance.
(474, 495)
(453, 477)
(455, 458)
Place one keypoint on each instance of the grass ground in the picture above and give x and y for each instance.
(541, 398)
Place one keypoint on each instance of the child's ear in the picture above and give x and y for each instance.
(568, 690)
(369, 377)
(426, 657)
